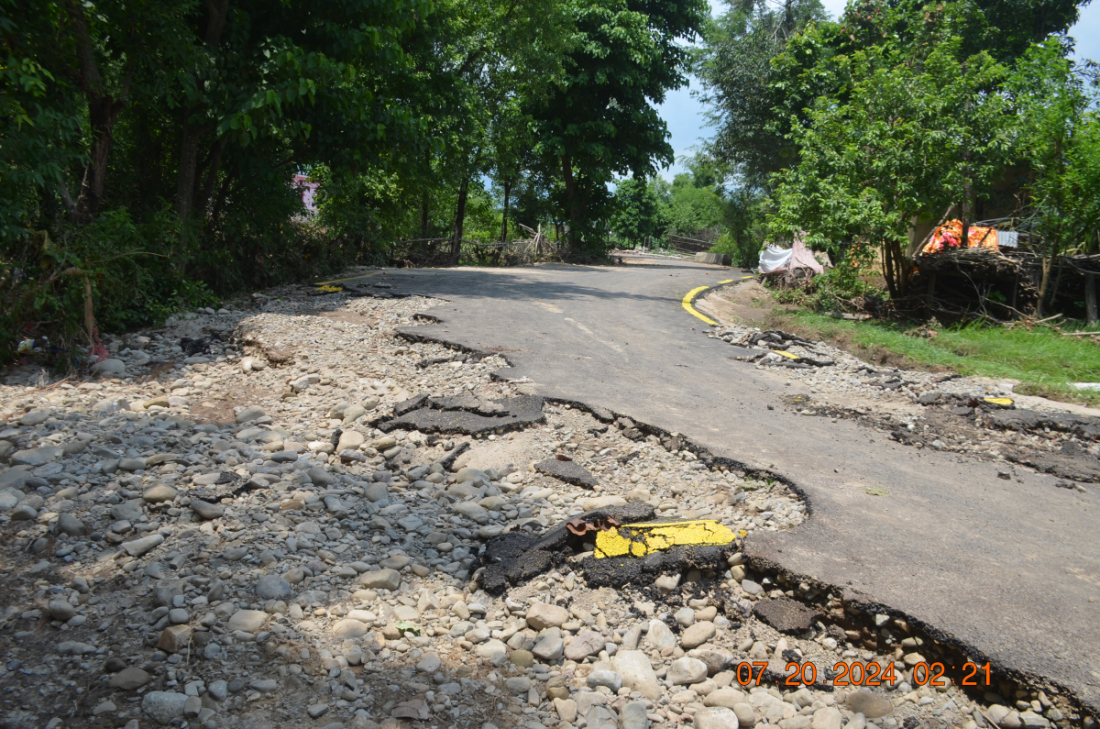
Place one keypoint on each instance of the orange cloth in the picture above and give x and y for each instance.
(949, 235)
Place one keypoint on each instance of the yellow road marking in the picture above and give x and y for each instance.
(788, 355)
(342, 280)
(638, 540)
(728, 280)
(745, 277)
(1002, 401)
(689, 297)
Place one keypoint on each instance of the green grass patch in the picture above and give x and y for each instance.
(1042, 359)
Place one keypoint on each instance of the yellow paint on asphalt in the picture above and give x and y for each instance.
(342, 280)
(1002, 401)
(786, 354)
(728, 280)
(638, 540)
(689, 297)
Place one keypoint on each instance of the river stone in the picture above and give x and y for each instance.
(34, 417)
(697, 634)
(60, 609)
(207, 510)
(131, 464)
(637, 673)
(660, 636)
(541, 616)
(273, 587)
(610, 679)
(69, 524)
(686, 670)
(348, 629)
(870, 704)
(549, 646)
(248, 414)
(827, 718)
(746, 715)
(350, 439)
(110, 368)
(248, 621)
(36, 456)
(159, 494)
(174, 638)
(585, 644)
(473, 511)
(128, 511)
(320, 477)
(138, 547)
(727, 697)
(163, 706)
(384, 579)
(717, 717)
(129, 679)
(633, 716)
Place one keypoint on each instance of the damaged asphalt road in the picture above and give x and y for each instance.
(1004, 567)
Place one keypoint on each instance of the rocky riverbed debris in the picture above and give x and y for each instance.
(229, 538)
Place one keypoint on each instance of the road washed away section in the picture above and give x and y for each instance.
(266, 532)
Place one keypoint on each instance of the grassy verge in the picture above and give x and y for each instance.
(1044, 361)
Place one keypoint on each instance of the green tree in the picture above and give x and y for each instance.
(1060, 145)
(599, 120)
(741, 87)
(638, 212)
(909, 139)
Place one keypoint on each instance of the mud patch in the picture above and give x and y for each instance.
(220, 410)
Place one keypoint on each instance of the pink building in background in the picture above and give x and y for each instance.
(308, 190)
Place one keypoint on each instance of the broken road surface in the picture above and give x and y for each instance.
(1006, 568)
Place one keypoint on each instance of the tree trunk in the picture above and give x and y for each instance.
(460, 218)
(103, 110)
(888, 268)
(187, 188)
(424, 214)
(212, 166)
(189, 163)
(504, 217)
(424, 198)
(572, 201)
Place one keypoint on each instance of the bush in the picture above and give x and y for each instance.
(125, 269)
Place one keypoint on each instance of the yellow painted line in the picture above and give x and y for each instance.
(728, 280)
(788, 355)
(1002, 401)
(638, 540)
(342, 280)
(689, 297)
(745, 277)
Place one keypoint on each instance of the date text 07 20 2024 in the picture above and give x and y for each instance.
(866, 674)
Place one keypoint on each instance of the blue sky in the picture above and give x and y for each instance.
(684, 114)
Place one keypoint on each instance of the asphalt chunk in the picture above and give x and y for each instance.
(515, 557)
(567, 471)
(467, 414)
(1033, 420)
(640, 571)
(786, 615)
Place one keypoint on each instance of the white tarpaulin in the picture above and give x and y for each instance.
(774, 259)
